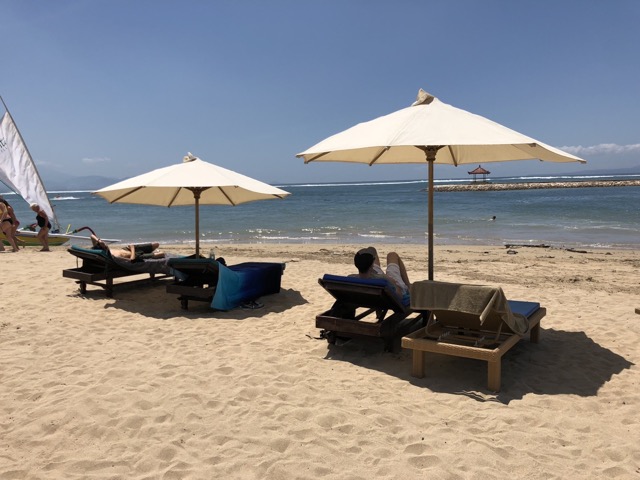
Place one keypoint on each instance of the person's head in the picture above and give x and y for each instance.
(35, 207)
(364, 258)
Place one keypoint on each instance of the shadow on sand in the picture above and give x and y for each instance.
(152, 300)
(562, 363)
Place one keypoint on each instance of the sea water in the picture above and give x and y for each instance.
(374, 213)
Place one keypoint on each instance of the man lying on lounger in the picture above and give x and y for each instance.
(135, 253)
(368, 264)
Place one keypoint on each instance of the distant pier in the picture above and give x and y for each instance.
(534, 185)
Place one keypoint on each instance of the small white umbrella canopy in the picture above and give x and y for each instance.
(192, 182)
(430, 131)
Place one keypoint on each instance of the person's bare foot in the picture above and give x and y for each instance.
(45, 250)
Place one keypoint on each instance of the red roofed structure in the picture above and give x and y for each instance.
(479, 171)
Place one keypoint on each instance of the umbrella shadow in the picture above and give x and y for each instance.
(562, 363)
(151, 300)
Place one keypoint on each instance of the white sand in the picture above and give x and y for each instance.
(135, 388)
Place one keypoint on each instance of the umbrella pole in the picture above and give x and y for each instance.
(431, 159)
(430, 152)
(196, 196)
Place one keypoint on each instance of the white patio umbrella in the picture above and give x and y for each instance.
(430, 131)
(192, 182)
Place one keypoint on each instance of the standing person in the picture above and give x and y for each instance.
(8, 224)
(43, 222)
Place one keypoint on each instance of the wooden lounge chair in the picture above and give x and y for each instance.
(198, 279)
(384, 316)
(99, 268)
(471, 321)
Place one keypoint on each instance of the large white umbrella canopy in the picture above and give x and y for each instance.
(192, 182)
(430, 131)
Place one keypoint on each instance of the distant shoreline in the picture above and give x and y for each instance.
(535, 185)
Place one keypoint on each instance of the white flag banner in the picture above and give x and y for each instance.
(17, 169)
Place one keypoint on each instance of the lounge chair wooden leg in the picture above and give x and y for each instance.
(184, 303)
(417, 369)
(494, 373)
(83, 287)
(534, 334)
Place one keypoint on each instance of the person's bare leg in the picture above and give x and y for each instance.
(43, 236)
(393, 257)
(7, 229)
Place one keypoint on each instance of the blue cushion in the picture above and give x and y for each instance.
(240, 283)
(94, 251)
(524, 308)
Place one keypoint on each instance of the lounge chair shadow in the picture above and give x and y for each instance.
(562, 363)
(95, 293)
(154, 302)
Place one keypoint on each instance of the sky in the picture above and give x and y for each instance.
(116, 88)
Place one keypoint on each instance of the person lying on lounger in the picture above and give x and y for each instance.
(368, 264)
(135, 253)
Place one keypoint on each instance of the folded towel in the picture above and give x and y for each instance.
(480, 300)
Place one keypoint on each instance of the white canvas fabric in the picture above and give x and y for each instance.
(464, 137)
(169, 186)
(192, 182)
(17, 170)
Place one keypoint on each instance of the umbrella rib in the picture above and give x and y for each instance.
(226, 196)
(315, 157)
(453, 156)
(377, 157)
(173, 199)
(125, 194)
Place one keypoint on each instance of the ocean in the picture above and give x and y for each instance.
(363, 213)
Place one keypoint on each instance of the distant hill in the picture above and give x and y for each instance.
(55, 180)
(59, 181)
(92, 183)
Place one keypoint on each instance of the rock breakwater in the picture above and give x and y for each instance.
(535, 185)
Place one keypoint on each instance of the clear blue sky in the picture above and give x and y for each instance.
(120, 87)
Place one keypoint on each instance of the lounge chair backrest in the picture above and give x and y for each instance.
(97, 252)
(93, 256)
(196, 268)
(467, 306)
(361, 292)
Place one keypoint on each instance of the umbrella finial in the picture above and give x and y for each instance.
(423, 98)
(189, 157)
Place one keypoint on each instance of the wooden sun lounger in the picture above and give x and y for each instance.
(99, 269)
(200, 282)
(384, 317)
(197, 278)
(460, 334)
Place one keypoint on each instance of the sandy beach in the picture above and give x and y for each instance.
(135, 388)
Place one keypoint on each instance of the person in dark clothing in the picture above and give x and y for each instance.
(8, 224)
(43, 222)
